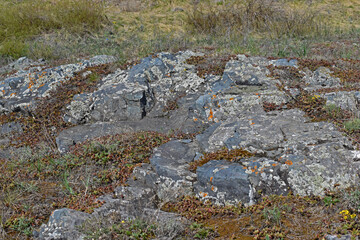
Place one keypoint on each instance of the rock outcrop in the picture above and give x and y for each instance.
(163, 93)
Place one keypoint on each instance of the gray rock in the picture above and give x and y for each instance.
(171, 163)
(344, 100)
(224, 183)
(285, 62)
(11, 127)
(320, 78)
(334, 237)
(23, 87)
(63, 225)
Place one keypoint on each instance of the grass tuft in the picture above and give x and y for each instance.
(23, 20)
(248, 16)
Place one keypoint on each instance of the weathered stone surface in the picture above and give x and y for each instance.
(213, 183)
(63, 224)
(334, 237)
(344, 100)
(309, 153)
(11, 127)
(171, 163)
(132, 94)
(320, 78)
(163, 93)
(22, 88)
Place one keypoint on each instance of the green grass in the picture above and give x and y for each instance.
(21, 21)
(57, 30)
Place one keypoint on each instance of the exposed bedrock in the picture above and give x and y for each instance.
(163, 93)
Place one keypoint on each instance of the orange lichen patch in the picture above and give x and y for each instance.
(213, 96)
(253, 170)
(3, 91)
(256, 173)
(211, 116)
(274, 164)
(288, 162)
(211, 178)
(12, 94)
(244, 167)
(204, 194)
(195, 119)
(252, 123)
(231, 99)
(255, 167)
(212, 188)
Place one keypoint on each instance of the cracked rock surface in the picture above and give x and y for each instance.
(290, 152)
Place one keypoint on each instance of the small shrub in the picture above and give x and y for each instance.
(272, 215)
(200, 231)
(21, 224)
(329, 200)
(353, 199)
(352, 125)
(332, 110)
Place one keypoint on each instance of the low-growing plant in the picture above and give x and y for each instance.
(352, 125)
(232, 155)
(353, 199)
(332, 110)
(200, 231)
(135, 229)
(330, 200)
(21, 224)
(272, 215)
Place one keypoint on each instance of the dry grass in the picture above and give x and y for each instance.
(136, 28)
(249, 16)
(24, 20)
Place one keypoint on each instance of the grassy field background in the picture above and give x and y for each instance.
(129, 29)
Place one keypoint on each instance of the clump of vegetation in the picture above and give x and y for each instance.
(276, 217)
(202, 232)
(332, 110)
(253, 16)
(232, 155)
(37, 176)
(352, 125)
(135, 229)
(206, 65)
(22, 20)
(194, 209)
